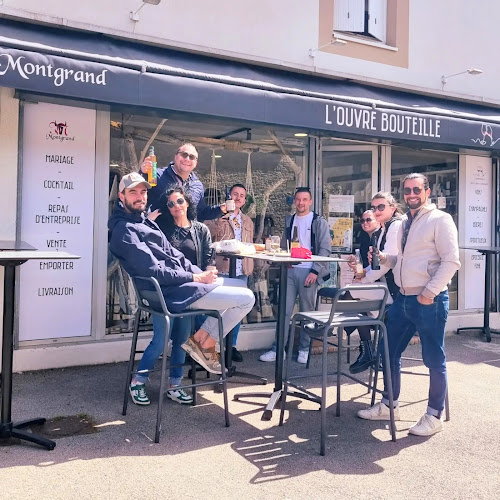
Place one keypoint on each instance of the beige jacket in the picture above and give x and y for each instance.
(222, 229)
(430, 258)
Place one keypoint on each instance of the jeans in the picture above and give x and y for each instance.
(232, 299)
(180, 331)
(307, 301)
(405, 317)
(236, 330)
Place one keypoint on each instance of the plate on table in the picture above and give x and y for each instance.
(278, 254)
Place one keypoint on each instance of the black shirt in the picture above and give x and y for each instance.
(180, 238)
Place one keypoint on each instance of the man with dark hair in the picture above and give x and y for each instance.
(426, 261)
(303, 279)
(180, 173)
(235, 225)
(143, 250)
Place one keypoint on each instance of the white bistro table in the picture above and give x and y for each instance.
(283, 262)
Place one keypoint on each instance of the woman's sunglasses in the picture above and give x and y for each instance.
(185, 155)
(368, 219)
(179, 201)
(380, 207)
(416, 190)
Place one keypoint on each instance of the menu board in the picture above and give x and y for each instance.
(478, 203)
(57, 213)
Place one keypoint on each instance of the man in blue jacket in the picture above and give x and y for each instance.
(143, 250)
(180, 173)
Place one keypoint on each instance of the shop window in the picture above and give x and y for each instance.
(255, 159)
(441, 168)
(361, 17)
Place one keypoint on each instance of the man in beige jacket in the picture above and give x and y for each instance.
(426, 261)
(235, 225)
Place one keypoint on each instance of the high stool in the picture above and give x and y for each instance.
(150, 299)
(318, 324)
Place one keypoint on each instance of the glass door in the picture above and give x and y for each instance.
(349, 180)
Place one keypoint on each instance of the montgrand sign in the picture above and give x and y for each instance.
(58, 75)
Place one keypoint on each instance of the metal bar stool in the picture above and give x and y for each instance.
(318, 324)
(150, 299)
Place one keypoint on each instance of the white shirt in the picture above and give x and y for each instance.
(303, 224)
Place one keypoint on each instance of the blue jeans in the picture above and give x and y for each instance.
(180, 331)
(307, 300)
(236, 330)
(406, 317)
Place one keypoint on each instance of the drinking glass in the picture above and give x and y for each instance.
(275, 244)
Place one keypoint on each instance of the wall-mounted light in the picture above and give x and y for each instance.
(470, 71)
(134, 15)
(334, 41)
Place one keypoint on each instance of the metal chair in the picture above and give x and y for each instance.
(150, 299)
(318, 324)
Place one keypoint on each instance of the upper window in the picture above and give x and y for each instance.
(361, 17)
(375, 30)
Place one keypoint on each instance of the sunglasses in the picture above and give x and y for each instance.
(366, 220)
(416, 190)
(179, 201)
(380, 207)
(185, 155)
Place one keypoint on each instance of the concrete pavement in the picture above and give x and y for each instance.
(200, 458)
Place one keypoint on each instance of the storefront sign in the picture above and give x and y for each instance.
(167, 81)
(57, 212)
(478, 203)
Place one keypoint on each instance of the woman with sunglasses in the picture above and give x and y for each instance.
(178, 222)
(387, 214)
(369, 225)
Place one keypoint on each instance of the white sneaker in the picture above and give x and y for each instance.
(378, 411)
(270, 356)
(427, 426)
(302, 357)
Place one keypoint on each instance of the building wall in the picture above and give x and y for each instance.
(278, 33)
(444, 37)
(9, 112)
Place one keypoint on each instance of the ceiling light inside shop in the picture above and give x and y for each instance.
(300, 134)
(217, 156)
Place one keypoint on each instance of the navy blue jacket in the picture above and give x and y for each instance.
(143, 250)
(168, 179)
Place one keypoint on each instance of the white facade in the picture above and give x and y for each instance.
(445, 37)
(440, 38)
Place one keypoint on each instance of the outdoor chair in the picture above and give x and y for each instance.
(319, 324)
(150, 299)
